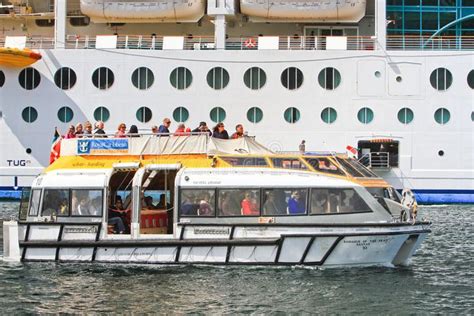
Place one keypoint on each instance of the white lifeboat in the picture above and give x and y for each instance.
(143, 11)
(304, 10)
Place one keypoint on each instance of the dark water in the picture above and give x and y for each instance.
(439, 280)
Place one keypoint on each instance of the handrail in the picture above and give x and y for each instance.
(377, 160)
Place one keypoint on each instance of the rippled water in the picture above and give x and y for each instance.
(439, 280)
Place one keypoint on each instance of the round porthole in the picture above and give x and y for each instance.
(398, 79)
(28, 150)
(441, 153)
(377, 74)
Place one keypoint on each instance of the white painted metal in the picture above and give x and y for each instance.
(11, 248)
(203, 254)
(253, 254)
(293, 249)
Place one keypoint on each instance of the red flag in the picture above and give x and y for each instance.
(55, 147)
(352, 150)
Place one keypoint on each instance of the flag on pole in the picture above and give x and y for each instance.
(55, 147)
(352, 152)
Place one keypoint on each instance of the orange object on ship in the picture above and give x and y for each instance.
(15, 57)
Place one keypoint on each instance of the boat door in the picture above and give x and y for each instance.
(154, 192)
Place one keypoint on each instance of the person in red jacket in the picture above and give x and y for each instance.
(239, 132)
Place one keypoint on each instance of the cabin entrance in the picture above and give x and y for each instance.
(379, 153)
(156, 199)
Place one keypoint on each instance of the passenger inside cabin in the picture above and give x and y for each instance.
(296, 204)
(55, 202)
(319, 201)
(117, 216)
(220, 132)
(148, 203)
(188, 205)
(275, 202)
(205, 207)
(249, 206)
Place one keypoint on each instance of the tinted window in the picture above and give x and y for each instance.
(55, 202)
(197, 202)
(284, 201)
(292, 78)
(325, 165)
(333, 201)
(65, 78)
(34, 202)
(245, 161)
(288, 163)
(86, 202)
(103, 78)
(29, 78)
(239, 202)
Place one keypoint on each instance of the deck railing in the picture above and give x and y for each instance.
(376, 160)
(410, 42)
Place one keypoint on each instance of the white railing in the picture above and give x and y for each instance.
(409, 42)
(376, 160)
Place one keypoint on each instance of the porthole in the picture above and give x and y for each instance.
(365, 115)
(28, 151)
(103, 78)
(398, 79)
(80, 21)
(255, 78)
(180, 114)
(181, 78)
(441, 153)
(377, 74)
(101, 114)
(441, 79)
(329, 78)
(470, 79)
(144, 114)
(472, 116)
(254, 115)
(292, 78)
(442, 116)
(218, 78)
(29, 114)
(65, 114)
(2, 78)
(329, 115)
(217, 114)
(65, 78)
(292, 115)
(405, 116)
(142, 78)
(29, 78)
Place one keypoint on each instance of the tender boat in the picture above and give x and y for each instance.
(198, 200)
(14, 57)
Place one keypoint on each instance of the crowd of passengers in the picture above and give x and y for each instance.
(86, 130)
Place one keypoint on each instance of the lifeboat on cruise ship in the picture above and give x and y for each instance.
(304, 10)
(15, 57)
(143, 11)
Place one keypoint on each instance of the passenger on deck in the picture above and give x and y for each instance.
(220, 132)
(71, 132)
(133, 131)
(99, 128)
(164, 128)
(182, 130)
(162, 204)
(249, 206)
(154, 129)
(87, 128)
(79, 130)
(239, 132)
(302, 147)
(120, 133)
(296, 205)
(148, 203)
(202, 128)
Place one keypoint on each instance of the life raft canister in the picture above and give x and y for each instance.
(250, 43)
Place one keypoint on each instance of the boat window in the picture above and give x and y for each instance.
(376, 192)
(86, 202)
(333, 201)
(34, 203)
(284, 201)
(236, 202)
(325, 165)
(288, 163)
(245, 161)
(25, 199)
(354, 171)
(197, 202)
(55, 202)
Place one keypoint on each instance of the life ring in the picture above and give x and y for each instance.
(250, 43)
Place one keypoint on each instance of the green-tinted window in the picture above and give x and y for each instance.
(254, 115)
(217, 114)
(405, 116)
(329, 78)
(429, 20)
(180, 114)
(181, 78)
(412, 20)
(144, 114)
(218, 78)
(329, 115)
(101, 114)
(441, 79)
(292, 115)
(142, 78)
(442, 116)
(365, 115)
(255, 78)
(29, 114)
(65, 114)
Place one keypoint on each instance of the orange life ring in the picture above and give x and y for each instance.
(250, 43)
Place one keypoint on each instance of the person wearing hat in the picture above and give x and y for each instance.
(202, 128)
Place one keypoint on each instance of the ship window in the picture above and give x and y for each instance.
(197, 202)
(329, 115)
(218, 78)
(254, 115)
(144, 114)
(86, 202)
(181, 78)
(101, 114)
(65, 78)
(405, 116)
(324, 165)
(288, 163)
(65, 114)
(333, 201)
(284, 201)
(44, 22)
(291, 115)
(2, 78)
(245, 161)
(80, 21)
(441, 79)
(29, 114)
(180, 114)
(29, 78)
(103, 78)
(470, 79)
(442, 116)
(365, 115)
(55, 202)
(217, 114)
(142, 78)
(34, 202)
(255, 78)
(292, 78)
(239, 202)
(472, 116)
(329, 78)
